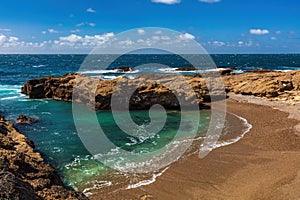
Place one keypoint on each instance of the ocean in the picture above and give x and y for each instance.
(55, 135)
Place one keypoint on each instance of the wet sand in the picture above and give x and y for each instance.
(265, 164)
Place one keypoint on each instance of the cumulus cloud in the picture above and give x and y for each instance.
(219, 44)
(141, 31)
(75, 31)
(71, 38)
(126, 42)
(158, 32)
(86, 23)
(90, 10)
(51, 30)
(166, 1)
(83, 41)
(273, 38)
(80, 24)
(259, 31)
(2, 38)
(69, 43)
(186, 36)
(210, 1)
(92, 24)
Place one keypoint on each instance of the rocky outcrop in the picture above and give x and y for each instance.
(146, 90)
(23, 119)
(189, 68)
(125, 69)
(23, 172)
(272, 85)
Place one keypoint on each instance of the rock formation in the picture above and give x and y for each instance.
(23, 172)
(146, 90)
(125, 69)
(153, 89)
(272, 85)
(23, 119)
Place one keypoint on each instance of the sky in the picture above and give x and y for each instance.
(220, 26)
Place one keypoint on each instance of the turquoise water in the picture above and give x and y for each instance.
(55, 135)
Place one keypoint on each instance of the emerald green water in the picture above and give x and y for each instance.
(55, 136)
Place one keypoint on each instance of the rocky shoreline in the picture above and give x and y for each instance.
(272, 85)
(23, 172)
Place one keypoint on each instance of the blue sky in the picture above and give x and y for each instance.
(220, 26)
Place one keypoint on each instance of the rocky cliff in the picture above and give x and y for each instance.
(23, 172)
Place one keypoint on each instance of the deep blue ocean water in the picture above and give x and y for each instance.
(55, 135)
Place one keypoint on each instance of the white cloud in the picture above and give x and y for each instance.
(165, 37)
(80, 24)
(71, 38)
(259, 31)
(219, 44)
(273, 38)
(86, 23)
(74, 40)
(44, 32)
(278, 32)
(141, 31)
(5, 29)
(90, 10)
(166, 1)
(186, 36)
(126, 42)
(210, 1)
(158, 32)
(13, 39)
(155, 38)
(75, 31)
(92, 24)
(51, 30)
(2, 38)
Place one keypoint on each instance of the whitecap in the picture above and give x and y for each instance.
(9, 98)
(38, 66)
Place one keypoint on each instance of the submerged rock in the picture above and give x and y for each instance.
(23, 119)
(189, 68)
(125, 69)
(24, 171)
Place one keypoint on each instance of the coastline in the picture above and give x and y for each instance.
(250, 166)
(262, 165)
(24, 174)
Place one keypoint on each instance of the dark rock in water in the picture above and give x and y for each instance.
(23, 119)
(226, 72)
(25, 171)
(125, 69)
(189, 68)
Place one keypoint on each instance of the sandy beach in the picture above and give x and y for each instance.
(262, 165)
